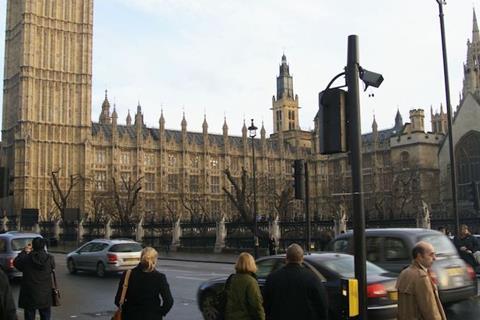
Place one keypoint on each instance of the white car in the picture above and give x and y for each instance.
(104, 255)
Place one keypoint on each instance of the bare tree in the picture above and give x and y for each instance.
(125, 201)
(59, 195)
(240, 196)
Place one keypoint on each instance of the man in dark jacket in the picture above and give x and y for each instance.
(294, 292)
(466, 245)
(36, 288)
(7, 305)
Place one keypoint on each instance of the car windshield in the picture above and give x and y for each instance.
(20, 243)
(344, 266)
(126, 247)
(442, 244)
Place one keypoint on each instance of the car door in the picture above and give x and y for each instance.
(96, 254)
(81, 256)
(264, 268)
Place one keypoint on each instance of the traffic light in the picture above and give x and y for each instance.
(333, 121)
(474, 196)
(299, 179)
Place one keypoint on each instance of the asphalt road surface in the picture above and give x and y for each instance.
(86, 297)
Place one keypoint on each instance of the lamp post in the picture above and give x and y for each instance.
(453, 167)
(252, 131)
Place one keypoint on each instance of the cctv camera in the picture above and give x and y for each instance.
(371, 78)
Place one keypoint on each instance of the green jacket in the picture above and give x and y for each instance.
(244, 299)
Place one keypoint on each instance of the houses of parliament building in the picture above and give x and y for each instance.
(47, 126)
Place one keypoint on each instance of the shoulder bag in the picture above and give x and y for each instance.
(118, 314)
(55, 291)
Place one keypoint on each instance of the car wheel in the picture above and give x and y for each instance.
(209, 306)
(100, 270)
(71, 266)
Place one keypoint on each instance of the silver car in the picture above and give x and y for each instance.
(103, 256)
(11, 243)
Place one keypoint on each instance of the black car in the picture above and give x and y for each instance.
(391, 249)
(331, 268)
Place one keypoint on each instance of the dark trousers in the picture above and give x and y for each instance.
(29, 314)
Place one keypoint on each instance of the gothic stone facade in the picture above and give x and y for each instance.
(47, 126)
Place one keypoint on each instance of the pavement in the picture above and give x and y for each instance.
(207, 257)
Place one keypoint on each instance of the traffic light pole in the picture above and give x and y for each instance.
(353, 107)
(307, 211)
(453, 166)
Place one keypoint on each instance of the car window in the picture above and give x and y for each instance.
(264, 267)
(3, 245)
(441, 243)
(395, 250)
(126, 247)
(97, 247)
(340, 245)
(344, 266)
(86, 248)
(314, 270)
(20, 243)
(373, 249)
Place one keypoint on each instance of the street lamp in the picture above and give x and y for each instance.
(252, 131)
(453, 168)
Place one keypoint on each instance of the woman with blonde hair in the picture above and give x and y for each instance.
(244, 299)
(145, 287)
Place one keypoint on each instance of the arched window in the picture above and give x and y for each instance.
(467, 155)
(405, 159)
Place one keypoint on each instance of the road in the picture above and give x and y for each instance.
(86, 297)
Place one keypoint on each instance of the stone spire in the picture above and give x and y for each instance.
(225, 127)
(105, 114)
(262, 131)
(161, 122)
(398, 122)
(374, 125)
(129, 118)
(205, 124)
(475, 35)
(139, 116)
(184, 123)
(114, 115)
(471, 68)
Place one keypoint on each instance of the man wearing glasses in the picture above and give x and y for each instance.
(417, 291)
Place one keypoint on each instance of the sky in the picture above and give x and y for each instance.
(220, 58)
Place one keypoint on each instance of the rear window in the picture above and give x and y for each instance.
(441, 243)
(20, 243)
(126, 247)
(344, 266)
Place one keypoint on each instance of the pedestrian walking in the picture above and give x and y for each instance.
(244, 299)
(145, 287)
(272, 246)
(7, 305)
(36, 286)
(467, 246)
(294, 292)
(417, 292)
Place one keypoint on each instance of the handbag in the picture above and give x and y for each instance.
(55, 292)
(118, 314)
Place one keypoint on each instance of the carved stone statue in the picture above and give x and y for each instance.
(340, 220)
(108, 229)
(221, 234)
(176, 234)
(275, 229)
(423, 216)
(140, 232)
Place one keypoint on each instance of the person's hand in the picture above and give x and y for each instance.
(463, 248)
(468, 251)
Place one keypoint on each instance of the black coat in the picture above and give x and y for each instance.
(469, 241)
(36, 287)
(7, 305)
(142, 300)
(294, 292)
